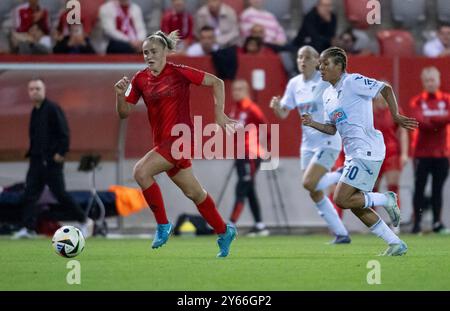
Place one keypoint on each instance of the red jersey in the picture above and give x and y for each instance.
(385, 124)
(433, 113)
(182, 21)
(24, 19)
(167, 97)
(247, 112)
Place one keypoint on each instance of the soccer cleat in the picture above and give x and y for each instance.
(399, 249)
(392, 208)
(24, 233)
(258, 232)
(225, 239)
(163, 232)
(341, 239)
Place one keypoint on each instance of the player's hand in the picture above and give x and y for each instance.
(58, 158)
(121, 86)
(226, 123)
(406, 122)
(275, 103)
(307, 119)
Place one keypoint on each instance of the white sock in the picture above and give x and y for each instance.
(381, 230)
(327, 180)
(328, 212)
(373, 199)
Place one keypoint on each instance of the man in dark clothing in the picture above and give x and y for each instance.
(49, 142)
(319, 27)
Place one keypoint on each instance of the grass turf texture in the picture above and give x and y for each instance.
(272, 263)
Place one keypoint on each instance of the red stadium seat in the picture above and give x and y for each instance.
(396, 43)
(356, 12)
(237, 5)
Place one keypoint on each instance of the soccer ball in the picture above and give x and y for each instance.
(68, 241)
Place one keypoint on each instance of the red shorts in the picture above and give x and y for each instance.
(391, 163)
(165, 150)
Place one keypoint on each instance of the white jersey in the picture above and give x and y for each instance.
(348, 105)
(306, 96)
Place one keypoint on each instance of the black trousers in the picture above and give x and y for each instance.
(41, 173)
(438, 169)
(245, 188)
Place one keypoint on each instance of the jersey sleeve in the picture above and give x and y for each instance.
(133, 92)
(193, 75)
(288, 100)
(364, 86)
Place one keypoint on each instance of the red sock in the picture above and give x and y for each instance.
(156, 203)
(237, 210)
(394, 188)
(209, 211)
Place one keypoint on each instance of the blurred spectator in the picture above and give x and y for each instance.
(31, 29)
(432, 109)
(206, 44)
(255, 45)
(255, 14)
(123, 24)
(74, 43)
(319, 27)
(439, 46)
(222, 18)
(62, 28)
(178, 18)
(351, 45)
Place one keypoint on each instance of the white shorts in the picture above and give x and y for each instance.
(325, 157)
(361, 174)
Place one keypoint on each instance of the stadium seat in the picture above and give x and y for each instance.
(307, 5)
(191, 5)
(6, 6)
(356, 13)
(280, 8)
(396, 43)
(408, 12)
(443, 10)
(53, 7)
(146, 6)
(89, 13)
(237, 5)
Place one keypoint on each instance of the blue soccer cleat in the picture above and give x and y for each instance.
(162, 235)
(399, 249)
(341, 239)
(225, 239)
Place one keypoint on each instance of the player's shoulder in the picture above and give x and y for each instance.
(141, 73)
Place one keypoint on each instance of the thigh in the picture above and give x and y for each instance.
(153, 163)
(361, 174)
(55, 178)
(188, 183)
(305, 158)
(421, 171)
(35, 180)
(439, 172)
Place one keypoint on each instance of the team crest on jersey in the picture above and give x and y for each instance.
(337, 116)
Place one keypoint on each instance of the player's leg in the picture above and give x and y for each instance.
(192, 189)
(144, 171)
(439, 173)
(318, 167)
(421, 171)
(241, 191)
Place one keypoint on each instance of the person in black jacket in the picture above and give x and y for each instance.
(49, 142)
(318, 28)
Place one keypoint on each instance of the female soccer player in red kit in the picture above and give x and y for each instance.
(164, 87)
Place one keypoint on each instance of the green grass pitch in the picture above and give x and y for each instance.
(272, 263)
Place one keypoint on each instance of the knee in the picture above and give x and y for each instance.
(195, 195)
(340, 200)
(139, 174)
(309, 184)
(316, 196)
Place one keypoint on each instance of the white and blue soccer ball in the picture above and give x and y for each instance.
(68, 241)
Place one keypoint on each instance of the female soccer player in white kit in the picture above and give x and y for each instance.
(318, 151)
(348, 110)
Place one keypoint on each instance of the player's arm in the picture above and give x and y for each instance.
(219, 100)
(408, 123)
(123, 108)
(280, 112)
(404, 146)
(326, 128)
